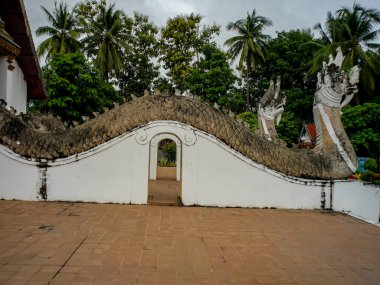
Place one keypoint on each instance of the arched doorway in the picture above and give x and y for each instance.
(164, 185)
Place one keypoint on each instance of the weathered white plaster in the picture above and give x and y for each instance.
(357, 199)
(226, 180)
(212, 174)
(18, 180)
(13, 87)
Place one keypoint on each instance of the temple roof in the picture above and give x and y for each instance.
(7, 45)
(13, 13)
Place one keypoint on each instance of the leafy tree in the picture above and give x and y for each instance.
(74, 89)
(289, 128)
(182, 39)
(107, 32)
(353, 29)
(164, 85)
(63, 33)
(139, 71)
(236, 101)
(361, 123)
(249, 45)
(212, 78)
(169, 150)
(288, 57)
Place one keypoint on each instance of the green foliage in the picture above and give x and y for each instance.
(107, 32)
(139, 72)
(169, 151)
(367, 176)
(249, 45)
(164, 85)
(354, 30)
(249, 118)
(164, 162)
(182, 39)
(288, 57)
(370, 165)
(361, 123)
(63, 33)
(212, 78)
(289, 128)
(236, 101)
(74, 88)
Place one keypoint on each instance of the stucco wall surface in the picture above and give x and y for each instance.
(13, 87)
(358, 199)
(212, 174)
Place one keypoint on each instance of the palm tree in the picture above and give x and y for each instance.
(353, 30)
(106, 40)
(249, 44)
(63, 32)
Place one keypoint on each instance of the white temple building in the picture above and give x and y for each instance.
(20, 73)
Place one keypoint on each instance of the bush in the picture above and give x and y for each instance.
(376, 182)
(169, 151)
(367, 176)
(370, 165)
(249, 118)
(164, 162)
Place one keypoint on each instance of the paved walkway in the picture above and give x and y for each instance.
(66, 243)
(164, 192)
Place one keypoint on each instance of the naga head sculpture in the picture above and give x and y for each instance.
(335, 88)
(271, 105)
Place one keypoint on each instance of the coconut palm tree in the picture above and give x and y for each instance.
(249, 44)
(353, 29)
(62, 33)
(106, 39)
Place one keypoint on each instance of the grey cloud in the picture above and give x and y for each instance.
(285, 15)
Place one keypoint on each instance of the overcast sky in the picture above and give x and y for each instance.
(285, 14)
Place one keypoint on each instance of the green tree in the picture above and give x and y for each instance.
(211, 77)
(249, 45)
(139, 71)
(361, 123)
(164, 85)
(289, 128)
(63, 32)
(107, 32)
(181, 42)
(353, 29)
(74, 89)
(289, 57)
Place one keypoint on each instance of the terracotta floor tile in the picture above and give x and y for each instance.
(126, 244)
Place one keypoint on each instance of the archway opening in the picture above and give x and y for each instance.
(165, 171)
(166, 160)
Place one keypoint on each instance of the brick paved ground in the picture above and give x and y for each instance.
(65, 243)
(164, 192)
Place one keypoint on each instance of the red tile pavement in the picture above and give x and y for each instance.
(78, 243)
(164, 192)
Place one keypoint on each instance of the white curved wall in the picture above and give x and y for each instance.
(358, 199)
(212, 175)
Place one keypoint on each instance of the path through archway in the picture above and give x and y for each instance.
(164, 186)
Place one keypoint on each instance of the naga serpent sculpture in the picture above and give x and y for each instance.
(332, 158)
(270, 109)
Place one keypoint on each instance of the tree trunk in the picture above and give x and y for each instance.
(249, 77)
(247, 95)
